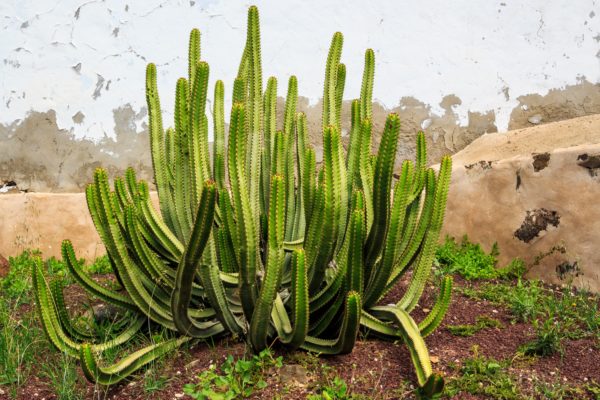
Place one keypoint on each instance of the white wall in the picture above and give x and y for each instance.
(89, 56)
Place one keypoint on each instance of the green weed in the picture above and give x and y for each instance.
(472, 263)
(234, 379)
(101, 266)
(484, 376)
(336, 390)
(61, 373)
(482, 322)
(547, 342)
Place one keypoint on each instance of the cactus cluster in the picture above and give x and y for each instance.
(259, 240)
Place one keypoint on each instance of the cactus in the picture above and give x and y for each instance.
(258, 241)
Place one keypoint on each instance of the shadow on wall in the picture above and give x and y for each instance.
(41, 157)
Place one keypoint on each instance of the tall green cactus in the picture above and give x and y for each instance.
(259, 242)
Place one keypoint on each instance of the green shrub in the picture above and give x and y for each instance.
(468, 260)
(482, 322)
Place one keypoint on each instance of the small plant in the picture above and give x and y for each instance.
(234, 379)
(547, 342)
(559, 391)
(524, 300)
(154, 381)
(337, 390)
(101, 265)
(482, 322)
(62, 374)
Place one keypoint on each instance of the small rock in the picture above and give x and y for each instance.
(293, 374)
(188, 366)
(426, 310)
(179, 395)
(535, 119)
(434, 359)
(426, 123)
(103, 312)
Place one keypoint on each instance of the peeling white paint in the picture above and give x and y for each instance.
(90, 56)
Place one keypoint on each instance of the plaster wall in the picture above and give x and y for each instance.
(72, 72)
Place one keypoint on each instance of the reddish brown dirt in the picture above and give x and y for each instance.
(4, 266)
(375, 369)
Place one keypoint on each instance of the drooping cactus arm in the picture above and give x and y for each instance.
(182, 293)
(348, 332)
(128, 365)
(423, 268)
(49, 310)
(299, 301)
(437, 313)
(224, 310)
(130, 274)
(411, 335)
(330, 290)
(152, 263)
(56, 289)
(329, 316)
(155, 230)
(414, 231)
(89, 284)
